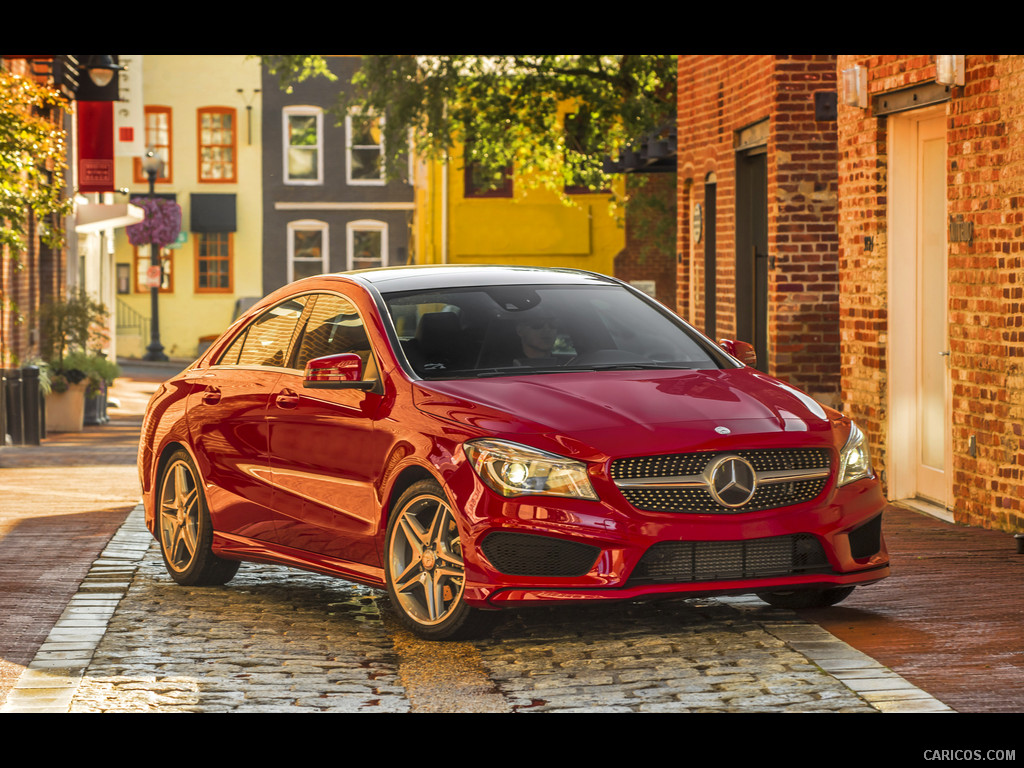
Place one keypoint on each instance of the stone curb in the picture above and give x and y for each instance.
(49, 682)
(882, 688)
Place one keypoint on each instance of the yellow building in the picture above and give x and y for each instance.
(461, 221)
(202, 117)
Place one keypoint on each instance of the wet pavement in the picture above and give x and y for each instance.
(89, 622)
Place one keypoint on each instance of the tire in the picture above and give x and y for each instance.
(424, 567)
(807, 598)
(184, 527)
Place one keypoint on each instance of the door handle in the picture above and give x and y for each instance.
(211, 396)
(286, 398)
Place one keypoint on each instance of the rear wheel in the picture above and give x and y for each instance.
(424, 567)
(186, 533)
(806, 598)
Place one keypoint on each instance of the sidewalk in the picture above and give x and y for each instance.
(948, 620)
(61, 502)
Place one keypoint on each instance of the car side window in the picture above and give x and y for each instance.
(268, 338)
(335, 327)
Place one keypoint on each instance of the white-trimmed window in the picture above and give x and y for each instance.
(303, 145)
(364, 137)
(367, 244)
(308, 249)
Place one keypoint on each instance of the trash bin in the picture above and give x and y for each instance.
(22, 403)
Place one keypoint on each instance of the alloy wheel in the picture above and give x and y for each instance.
(425, 560)
(179, 515)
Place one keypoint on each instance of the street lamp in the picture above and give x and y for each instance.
(153, 166)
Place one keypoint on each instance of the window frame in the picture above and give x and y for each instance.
(365, 225)
(381, 179)
(166, 151)
(200, 238)
(286, 146)
(167, 260)
(200, 146)
(306, 225)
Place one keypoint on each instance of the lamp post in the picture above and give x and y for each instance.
(152, 165)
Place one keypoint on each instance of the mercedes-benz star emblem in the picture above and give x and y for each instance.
(731, 480)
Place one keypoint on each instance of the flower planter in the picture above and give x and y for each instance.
(65, 411)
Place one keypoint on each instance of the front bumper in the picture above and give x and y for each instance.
(542, 550)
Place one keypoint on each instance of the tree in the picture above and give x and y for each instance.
(32, 162)
(506, 110)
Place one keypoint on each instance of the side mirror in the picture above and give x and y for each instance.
(741, 350)
(344, 371)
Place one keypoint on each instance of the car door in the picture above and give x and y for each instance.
(325, 453)
(227, 420)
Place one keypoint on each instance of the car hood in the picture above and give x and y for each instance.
(618, 413)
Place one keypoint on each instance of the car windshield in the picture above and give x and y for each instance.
(514, 330)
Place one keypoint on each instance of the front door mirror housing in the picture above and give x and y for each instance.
(741, 350)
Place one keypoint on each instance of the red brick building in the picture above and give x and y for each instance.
(931, 190)
(860, 222)
(35, 277)
(757, 188)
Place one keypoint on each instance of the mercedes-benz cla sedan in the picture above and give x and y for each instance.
(474, 438)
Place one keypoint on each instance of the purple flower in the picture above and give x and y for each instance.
(161, 225)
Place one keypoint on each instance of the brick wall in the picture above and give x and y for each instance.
(985, 186)
(718, 97)
(33, 279)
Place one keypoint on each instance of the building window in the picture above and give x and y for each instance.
(143, 273)
(487, 183)
(158, 137)
(365, 136)
(584, 171)
(213, 262)
(308, 249)
(303, 138)
(217, 146)
(367, 244)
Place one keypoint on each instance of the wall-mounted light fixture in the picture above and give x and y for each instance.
(102, 69)
(949, 70)
(855, 86)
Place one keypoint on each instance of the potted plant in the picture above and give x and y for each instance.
(73, 333)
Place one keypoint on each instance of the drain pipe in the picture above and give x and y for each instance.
(1020, 543)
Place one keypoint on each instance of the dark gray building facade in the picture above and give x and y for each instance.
(328, 205)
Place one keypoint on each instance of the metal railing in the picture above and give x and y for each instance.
(131, 322)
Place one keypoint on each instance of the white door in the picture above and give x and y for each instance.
(921, 429)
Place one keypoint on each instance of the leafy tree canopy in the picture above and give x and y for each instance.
(32, 161)
(509, 109)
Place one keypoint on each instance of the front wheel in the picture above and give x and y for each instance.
(424, 567)
(806, 598)
(186, 533)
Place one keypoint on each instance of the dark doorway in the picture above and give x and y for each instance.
(752, 251)
(710, 263)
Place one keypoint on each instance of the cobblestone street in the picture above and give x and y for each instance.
(280, 640)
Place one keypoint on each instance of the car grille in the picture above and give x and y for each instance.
(679, 482)
(691, 561)
(524, 554)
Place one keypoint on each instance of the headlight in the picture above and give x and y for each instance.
(854, 460)
(515, 470)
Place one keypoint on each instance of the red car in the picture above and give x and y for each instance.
(474, 438)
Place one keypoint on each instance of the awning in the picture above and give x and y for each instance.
(96, 217)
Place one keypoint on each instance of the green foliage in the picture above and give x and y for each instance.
(74, 325)
(74, 330)
(296, 68)
(32, 162)
(510, 109)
